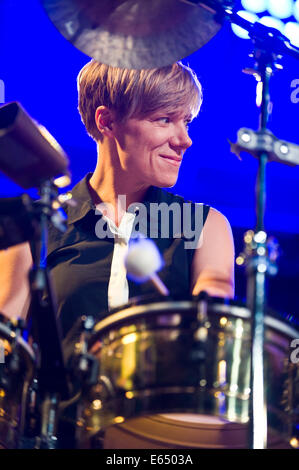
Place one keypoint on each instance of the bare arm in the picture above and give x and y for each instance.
(15, 263)
(213, 263)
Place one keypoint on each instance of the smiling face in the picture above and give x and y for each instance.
(130, 93)
(150, 149)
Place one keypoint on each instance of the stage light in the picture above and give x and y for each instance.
(274, 14)
(247, 15)
(291, 31)
(273, 23)
(256, 6)
(280, 8)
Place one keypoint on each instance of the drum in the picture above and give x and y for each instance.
(176, 374)
(17, 365)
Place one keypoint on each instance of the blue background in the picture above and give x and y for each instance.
(39, 69)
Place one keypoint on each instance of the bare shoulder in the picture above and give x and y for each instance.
(213, 262)
(216, 220)
(216, 228)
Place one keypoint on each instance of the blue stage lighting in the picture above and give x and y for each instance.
(247, 15)
(256, 6)
(296, 10)
(273, 23)
(280, 8)
(291, 31)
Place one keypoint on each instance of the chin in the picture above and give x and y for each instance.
(167, 183)
(170, 181)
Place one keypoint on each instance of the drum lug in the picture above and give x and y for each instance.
(13, 359)
(202, 310)
(83, 365)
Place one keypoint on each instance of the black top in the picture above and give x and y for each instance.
(80, 262)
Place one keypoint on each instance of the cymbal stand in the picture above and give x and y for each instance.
(261, 255)
(269, 46)
(258, 266)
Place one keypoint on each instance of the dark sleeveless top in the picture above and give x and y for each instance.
(80, 262)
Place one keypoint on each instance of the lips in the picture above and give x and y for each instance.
(174, 160)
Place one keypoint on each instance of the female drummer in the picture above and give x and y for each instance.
(139, 120)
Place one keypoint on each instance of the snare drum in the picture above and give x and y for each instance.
(176, 374)
(17, 365)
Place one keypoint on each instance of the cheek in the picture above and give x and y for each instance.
(156, 139)
(141, 142)
(145, 145)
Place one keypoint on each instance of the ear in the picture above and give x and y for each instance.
(104, 119)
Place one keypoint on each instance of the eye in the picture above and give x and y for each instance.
(164, 120)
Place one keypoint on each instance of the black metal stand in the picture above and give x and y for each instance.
(257, 268)
(269, 44)
(52, 374)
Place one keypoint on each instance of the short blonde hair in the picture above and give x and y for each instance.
(135, 93)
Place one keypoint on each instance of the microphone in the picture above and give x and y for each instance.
(142, 262)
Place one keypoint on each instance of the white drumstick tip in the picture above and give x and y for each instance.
(143, 261)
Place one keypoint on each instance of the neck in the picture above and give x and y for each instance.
(113, 185)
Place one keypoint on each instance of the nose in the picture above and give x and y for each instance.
(180, 139)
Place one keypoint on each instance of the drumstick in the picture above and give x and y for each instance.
(159, 285)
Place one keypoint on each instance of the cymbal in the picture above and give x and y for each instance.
(133, 33)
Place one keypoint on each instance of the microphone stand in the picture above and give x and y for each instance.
(31, 157)
(52, 375)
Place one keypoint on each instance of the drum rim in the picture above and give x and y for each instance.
(8, 332)
(157, 307)
(281, 326)
(154, 298)
(224, 307)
